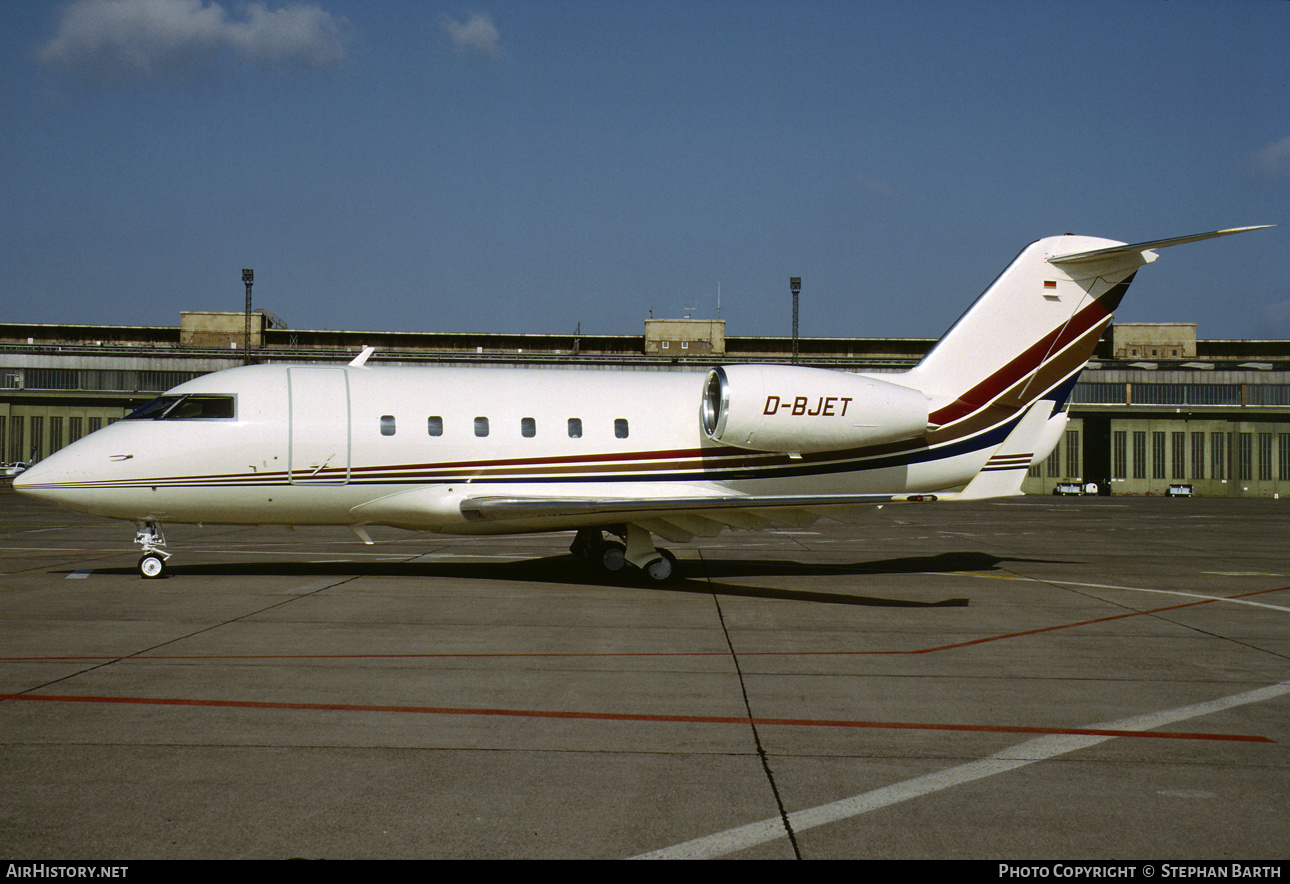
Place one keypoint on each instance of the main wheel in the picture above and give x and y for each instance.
(613, 556)
(661, 568)
(152, 566)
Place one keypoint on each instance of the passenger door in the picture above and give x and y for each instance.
(318, 440)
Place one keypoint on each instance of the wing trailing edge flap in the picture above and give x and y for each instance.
(682, 519)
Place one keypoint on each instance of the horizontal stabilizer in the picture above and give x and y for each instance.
(1137, 248)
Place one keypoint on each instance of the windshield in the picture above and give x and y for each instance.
(196, 406)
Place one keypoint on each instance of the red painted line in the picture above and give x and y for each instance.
(599, 655)
(617, 716)
(1088, 622)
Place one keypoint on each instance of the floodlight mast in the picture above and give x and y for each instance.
(248, 277)
(795, 285)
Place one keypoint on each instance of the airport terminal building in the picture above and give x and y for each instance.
(1156, 409)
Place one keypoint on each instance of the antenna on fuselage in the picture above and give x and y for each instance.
(361, 358)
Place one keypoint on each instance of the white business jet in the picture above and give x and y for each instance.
(631, 454)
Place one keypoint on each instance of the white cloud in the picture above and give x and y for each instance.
(1274, 160)
(304, 35)
(149, 38)
(476, 35)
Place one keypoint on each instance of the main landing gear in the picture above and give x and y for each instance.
(153, 563)
(612, 556)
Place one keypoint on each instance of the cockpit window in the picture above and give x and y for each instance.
(195, 406)
(154, 409)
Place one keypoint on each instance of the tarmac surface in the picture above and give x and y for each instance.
(1038, 678)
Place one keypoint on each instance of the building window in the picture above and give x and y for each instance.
(1098, 394)
(1074, 466)
(1178, 453)
(434, 425)
(1244, 456)
(1119, 454)
(1283, 455)
(1198, 455)
(1157, 455)
(73, 429)
(16, 447)
(481, 426)
(37, 437)
(1055, 462)
(55, 434)
(575, 428)
(95, 424)
(1265, 457)
(1267, 394)
(1218, 457)
(528, 427)
(620, 428)
(1139, 454)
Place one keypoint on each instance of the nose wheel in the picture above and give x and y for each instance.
(153, 542)
(152, 566)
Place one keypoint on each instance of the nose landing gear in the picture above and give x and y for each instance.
(153, 563)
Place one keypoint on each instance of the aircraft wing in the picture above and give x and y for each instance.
(480, 508)
(683, 518)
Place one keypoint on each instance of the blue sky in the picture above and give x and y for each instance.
(528, 166)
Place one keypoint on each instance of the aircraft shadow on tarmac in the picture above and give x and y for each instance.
(693, 575)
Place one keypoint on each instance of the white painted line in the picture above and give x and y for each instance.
(80, 575)
(1191, 595)
(1039, 749)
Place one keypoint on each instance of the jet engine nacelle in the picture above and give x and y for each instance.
(787, 408)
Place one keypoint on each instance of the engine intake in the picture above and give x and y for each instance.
(787, 408)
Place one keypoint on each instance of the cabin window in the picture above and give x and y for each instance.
(575, 428)
(620, 427)
(481, 426)
(387, 425)
(434, 425)
(528, 427)
(195, 406)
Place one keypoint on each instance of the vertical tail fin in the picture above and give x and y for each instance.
(1035, 327)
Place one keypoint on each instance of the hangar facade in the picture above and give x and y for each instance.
(1156, 408)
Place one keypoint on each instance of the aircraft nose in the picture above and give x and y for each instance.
(33, 479)
(54, 479)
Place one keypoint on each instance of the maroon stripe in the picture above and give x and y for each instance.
(1031, 359)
